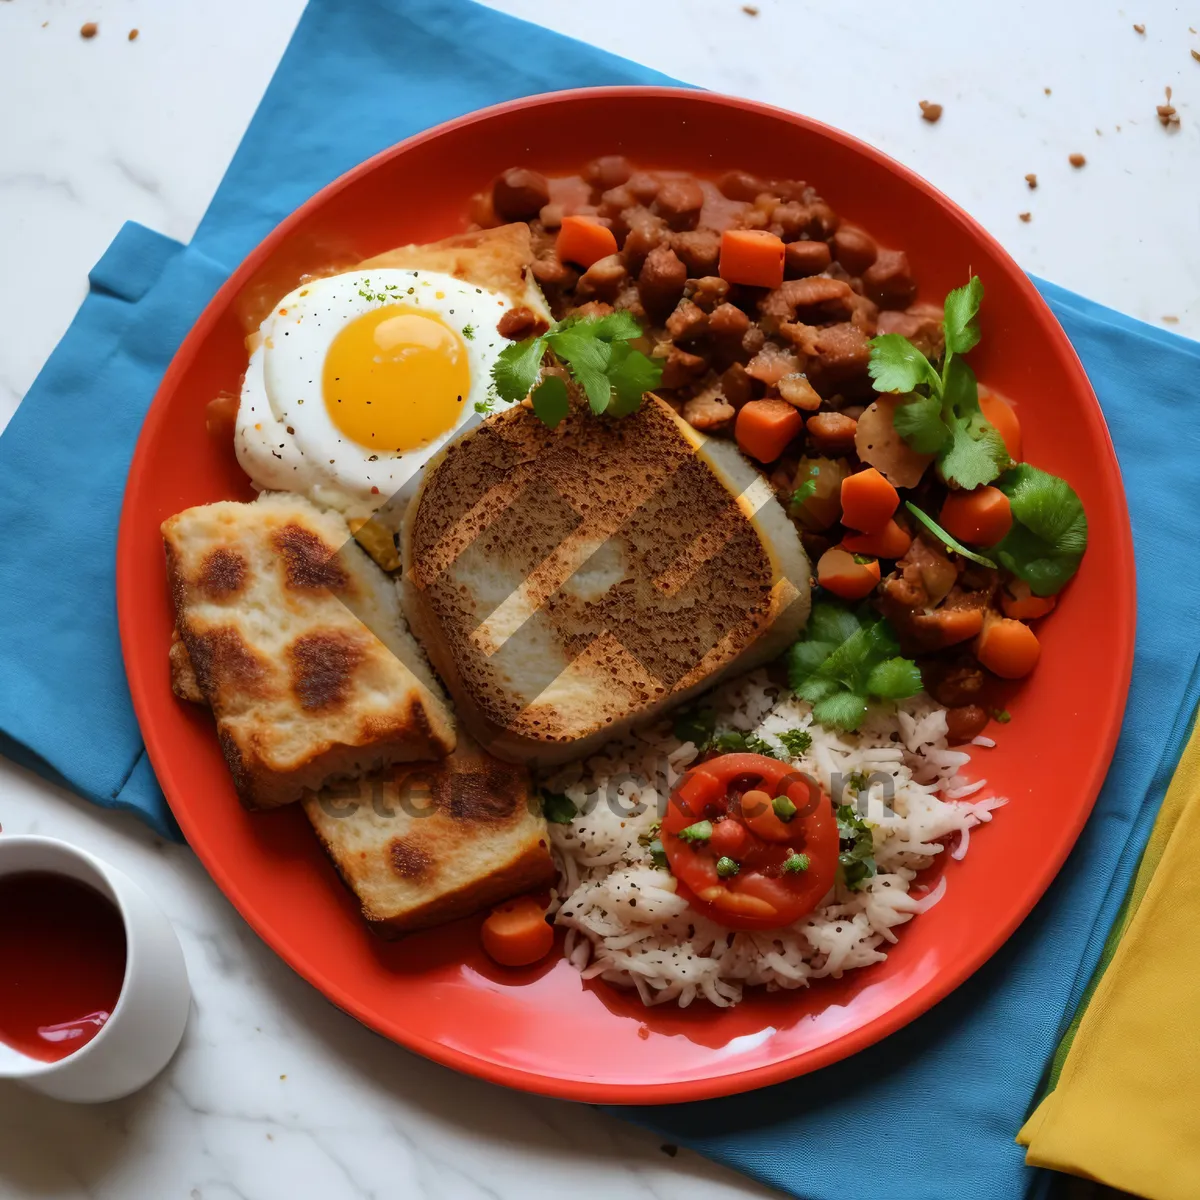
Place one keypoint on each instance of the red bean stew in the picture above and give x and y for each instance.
(760, 304)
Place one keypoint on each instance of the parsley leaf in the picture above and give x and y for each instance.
(941, 413)
(699, 725)
(550, 401)
(468, 331)
(613, 375)
(1049, 532)
(845, 659)
(795, 741)
(856, 859)
(919, 422)
(947, 541)
(808, 487)
(695, 725)
(898, 366)
(557, 809)
(652, 842)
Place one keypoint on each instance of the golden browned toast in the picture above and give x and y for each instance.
(570, 583)
(424, 843)
(294, 639)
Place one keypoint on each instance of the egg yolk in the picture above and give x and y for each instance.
(395, 378)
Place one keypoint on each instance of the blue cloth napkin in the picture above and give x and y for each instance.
(932, 1111)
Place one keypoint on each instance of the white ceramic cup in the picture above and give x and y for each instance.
(147, 1023)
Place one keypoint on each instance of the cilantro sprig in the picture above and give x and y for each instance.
(1049, 532)
(846, 658)
(558, 809)
(941, 414)
(597, 352)
(856, 857)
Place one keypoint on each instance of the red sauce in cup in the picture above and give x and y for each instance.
(62, 963)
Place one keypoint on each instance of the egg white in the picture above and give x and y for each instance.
(286, 439)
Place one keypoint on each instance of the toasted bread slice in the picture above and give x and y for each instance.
(294, 639)
(570, 583)
(424, 843)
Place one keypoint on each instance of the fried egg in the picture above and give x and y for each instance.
(356, 380)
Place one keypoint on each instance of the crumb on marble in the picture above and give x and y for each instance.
(1076, 160)
(133, 35)
(1171, 320)
(1031, 179)
(930, 112)
(1046, 90)
(89, 29)
(1026, 217)
(750, 10)
(283, 1077)
(1168, 118)
(1196, 55)
(1139, 29)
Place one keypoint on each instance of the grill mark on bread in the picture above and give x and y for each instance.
(308, 561)
(222, 574)
(488, 794)
(322, 665)
(408, 860)
(221, 659)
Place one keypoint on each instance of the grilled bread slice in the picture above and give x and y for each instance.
(420, 844)
(294, 639)
(568, 584)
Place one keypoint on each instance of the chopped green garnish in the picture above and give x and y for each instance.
(941, 414)
(947, 541)
(732, 741)
(558, 809)
(858, 781)
(846, 658)
(1049, 532)
(807, 488)
(795, 862)
(727, 866)
(653, 843)
(611, 373)
(483, 407)
(701, 831)
(1000, 715)
(856, 858)
(695, 725)
(468, 331)
(785, 810)
(795, 741)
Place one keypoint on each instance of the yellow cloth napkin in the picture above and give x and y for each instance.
(1126, 1108)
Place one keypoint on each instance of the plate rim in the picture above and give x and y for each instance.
(716, 1085)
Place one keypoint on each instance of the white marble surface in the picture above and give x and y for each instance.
(274, 1093)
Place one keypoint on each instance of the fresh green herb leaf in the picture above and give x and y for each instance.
(976, 453)
(856, 858)
(858, 781)
(557, 809)
(807, 488)
(896, 365)
(947, 541)
(695, 725)
(733, 741)
(659, 856)
(632, 375)
(1000, 715)
(616, 326)
(517, 368)
(1049, 532)
(959, 317)
(795, 863)
(701, 831)
(795, 741)
(785, 810)
(550, 400)
(468, 331)
(919, 422)
(846, 658)
(483, 407)
(727, 866)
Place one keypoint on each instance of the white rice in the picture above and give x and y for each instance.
(625, 923)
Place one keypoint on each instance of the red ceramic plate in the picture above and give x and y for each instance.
(543, 1029)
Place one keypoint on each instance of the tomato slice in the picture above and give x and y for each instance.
(739, 829)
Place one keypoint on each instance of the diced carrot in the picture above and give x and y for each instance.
(220, 418)
(980, 517)
(759, 816)
(515, 934)
(868, 501)
(584, 241)
(1018, 600)
(892, 541)
(840, 572)
(1007, 648)
(1000, 413)
(764, 428)
(753, 257)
